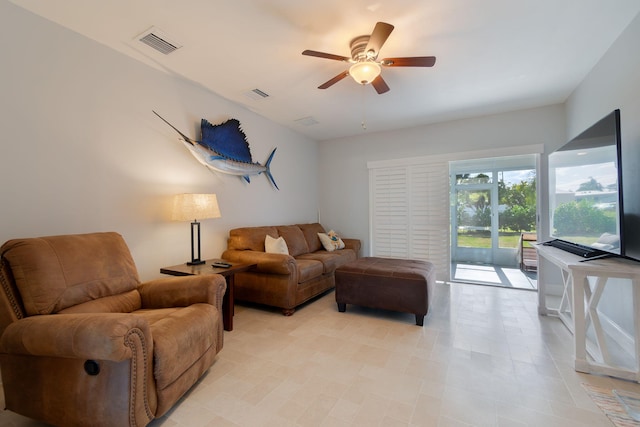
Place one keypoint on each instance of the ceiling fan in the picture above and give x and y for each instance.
(366, 67)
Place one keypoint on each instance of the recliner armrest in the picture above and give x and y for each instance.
(102, 336)
(182, 291)
(265, 262)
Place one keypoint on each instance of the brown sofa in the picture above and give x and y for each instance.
(285, 280)
(84, 343)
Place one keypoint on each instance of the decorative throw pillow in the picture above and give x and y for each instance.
(275, 246)
(331, 241)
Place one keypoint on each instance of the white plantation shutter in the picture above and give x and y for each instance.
(429, 220)
(410, 213)
(391, 212)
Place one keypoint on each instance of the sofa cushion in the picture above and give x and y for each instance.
(250, 238)
(57, 272)
(308, 269)
(296, 242)
(310, 232)
(330, 260)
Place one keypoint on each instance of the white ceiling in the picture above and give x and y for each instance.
(492, 55)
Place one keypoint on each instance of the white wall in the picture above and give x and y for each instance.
(344, 185)
(614, 83)
(81, 150)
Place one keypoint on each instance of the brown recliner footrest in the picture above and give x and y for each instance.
(387, 283)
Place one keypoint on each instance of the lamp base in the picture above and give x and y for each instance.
(195, 233)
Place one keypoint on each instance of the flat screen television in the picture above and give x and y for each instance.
(586, 203)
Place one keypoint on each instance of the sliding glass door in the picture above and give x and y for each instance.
(493, 201)
(474, 225)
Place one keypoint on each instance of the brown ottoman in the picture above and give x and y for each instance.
(390, 284)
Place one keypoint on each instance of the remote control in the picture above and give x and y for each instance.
(220, 264)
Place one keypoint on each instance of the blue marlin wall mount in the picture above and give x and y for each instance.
(224, 148)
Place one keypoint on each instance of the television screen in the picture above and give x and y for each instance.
(585, 185)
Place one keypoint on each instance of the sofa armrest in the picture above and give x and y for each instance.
(354, 244)
(182, 291)
(265, 262)
(101, 336)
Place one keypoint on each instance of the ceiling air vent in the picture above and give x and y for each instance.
(256, 94)
(306, 121)
(156, 39)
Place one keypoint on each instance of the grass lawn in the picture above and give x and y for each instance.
(482, 239)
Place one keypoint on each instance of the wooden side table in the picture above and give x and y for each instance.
(597, 352)
(207, 268)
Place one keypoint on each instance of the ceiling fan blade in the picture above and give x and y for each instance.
(378, 37)
(414, 61)
(325, 55)
(334, 80)
(380, 85)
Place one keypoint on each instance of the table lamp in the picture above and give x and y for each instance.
(192, 207)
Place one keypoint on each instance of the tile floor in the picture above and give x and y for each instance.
(483, 358)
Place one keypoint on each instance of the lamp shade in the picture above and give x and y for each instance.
(190, 207)
(364, 72)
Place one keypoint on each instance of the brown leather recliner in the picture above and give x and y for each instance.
(85, 343)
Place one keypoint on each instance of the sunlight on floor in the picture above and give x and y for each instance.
(495, 275)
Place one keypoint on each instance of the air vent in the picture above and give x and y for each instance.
(256, 94)
(158, 40)
(306, 121)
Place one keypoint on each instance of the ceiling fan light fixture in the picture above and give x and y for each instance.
(365, 72)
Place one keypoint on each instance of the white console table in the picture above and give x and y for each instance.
(578, 308)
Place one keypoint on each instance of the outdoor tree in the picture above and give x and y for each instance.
(591, 185)
(482, 211)
(519, 200)
(582, 218)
